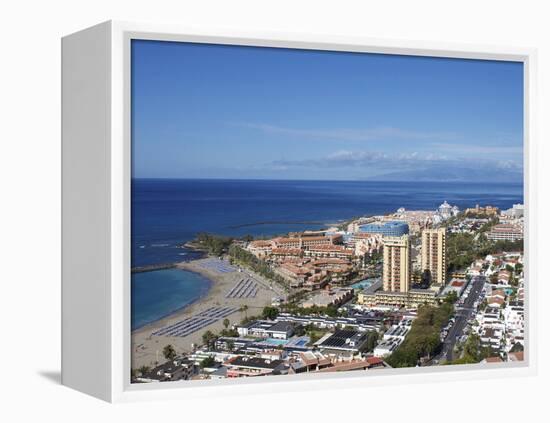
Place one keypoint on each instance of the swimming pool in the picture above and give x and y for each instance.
(365, 283)
(272, 341)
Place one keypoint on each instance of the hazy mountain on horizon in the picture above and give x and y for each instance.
(452, 175)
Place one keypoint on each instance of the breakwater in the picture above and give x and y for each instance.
(153, 267)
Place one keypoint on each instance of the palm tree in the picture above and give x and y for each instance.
(144, 369)
(243, 309)
(169, 352)
(208, 337)
(226, 323)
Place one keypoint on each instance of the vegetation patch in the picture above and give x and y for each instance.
(423, 338)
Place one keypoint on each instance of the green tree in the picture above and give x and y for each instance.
(472, 348)
(144, 370)
(214, 244)
(451, 297)
(169, 352)
(423, 338)
(519, 268)
(426, 278)
(208, 362)
(270, 313)
(517, 347)
(331, 311)
(232, 333)
(226, 323)
(208, 338)
(299, 330)
(483, 304)
(372, 340)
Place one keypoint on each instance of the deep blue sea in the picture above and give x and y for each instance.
(168, 212)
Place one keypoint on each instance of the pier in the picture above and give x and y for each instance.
(153, 267)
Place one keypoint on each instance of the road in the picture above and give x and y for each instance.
(465, 313)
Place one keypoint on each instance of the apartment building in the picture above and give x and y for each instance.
(505, 232)
(397, 264)
(433, 254)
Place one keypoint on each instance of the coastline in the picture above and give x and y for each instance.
(147, 348)
(178, 310)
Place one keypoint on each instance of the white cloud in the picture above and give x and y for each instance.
(347, 134)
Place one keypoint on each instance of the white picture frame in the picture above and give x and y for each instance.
(96, 211)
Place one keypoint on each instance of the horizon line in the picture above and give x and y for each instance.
(521, 182)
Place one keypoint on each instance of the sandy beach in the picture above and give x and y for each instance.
(147, 348)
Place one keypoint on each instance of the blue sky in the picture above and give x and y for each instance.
(210, 111)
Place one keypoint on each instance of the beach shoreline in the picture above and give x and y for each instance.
(147, 348)
(179, 310)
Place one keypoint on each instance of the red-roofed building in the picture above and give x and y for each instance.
(495, 302)
(376, 362)
(296, 274)
(345, 366)
(260, 248)
(330, 251)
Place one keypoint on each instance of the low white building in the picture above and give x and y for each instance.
(399, 331)
(491, 337)
(387, 346)
(514, 321)
(490, 318)
(267, 329)
(515, 212)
